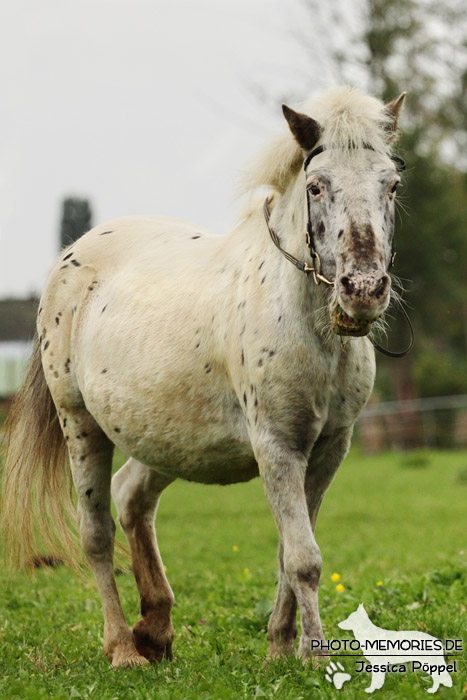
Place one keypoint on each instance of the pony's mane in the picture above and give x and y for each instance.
(346, 115)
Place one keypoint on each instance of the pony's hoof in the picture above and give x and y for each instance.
(153, 648)
(276, 652)
(318, 659)
(125, 658)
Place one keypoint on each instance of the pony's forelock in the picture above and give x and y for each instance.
(347, 117)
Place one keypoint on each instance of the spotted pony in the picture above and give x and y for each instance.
(211, 359)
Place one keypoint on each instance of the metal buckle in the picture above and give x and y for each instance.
(316, 270)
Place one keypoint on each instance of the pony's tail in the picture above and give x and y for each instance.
(38, 516)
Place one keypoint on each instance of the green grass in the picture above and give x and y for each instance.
(395, 518)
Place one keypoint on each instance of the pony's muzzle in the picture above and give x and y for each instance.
(364, 297)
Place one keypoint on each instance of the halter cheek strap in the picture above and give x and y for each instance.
(302, 266)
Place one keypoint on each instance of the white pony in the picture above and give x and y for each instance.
(211, 359)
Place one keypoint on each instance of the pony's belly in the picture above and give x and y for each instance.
(221, 461)
(218, 464)
(203, 440)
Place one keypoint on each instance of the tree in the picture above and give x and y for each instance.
(76, 219)
(406, 44)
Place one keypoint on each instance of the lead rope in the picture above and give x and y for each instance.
(402, 353)
(318, 277)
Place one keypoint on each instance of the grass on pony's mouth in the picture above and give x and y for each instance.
(343, 324)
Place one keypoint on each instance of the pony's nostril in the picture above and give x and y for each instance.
(347, 284)
(381, 286)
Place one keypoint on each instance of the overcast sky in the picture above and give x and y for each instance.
(144, 106)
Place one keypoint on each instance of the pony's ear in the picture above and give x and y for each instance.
(305, 130)
(393, 110)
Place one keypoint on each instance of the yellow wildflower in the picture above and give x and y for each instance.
(235, 548)
(379, 583)
(335, 578)
(246, 571)
(339, 588)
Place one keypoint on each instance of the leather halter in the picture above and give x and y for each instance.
(315, 268)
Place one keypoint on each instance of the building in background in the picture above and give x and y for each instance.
(17, 328)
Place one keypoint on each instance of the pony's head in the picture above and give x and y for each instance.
(351, 182)
(346, 192)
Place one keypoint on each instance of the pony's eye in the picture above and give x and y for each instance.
(314, 189)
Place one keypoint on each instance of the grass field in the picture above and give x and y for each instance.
(398, 520)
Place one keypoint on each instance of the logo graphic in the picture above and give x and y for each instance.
(334, 674)
(395, 652)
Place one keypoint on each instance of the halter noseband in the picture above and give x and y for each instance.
(315, 268)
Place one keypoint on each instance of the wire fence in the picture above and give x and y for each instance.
(438, 421)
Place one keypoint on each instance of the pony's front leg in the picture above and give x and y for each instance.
(326, 456)
(283, 474)
(282, 627)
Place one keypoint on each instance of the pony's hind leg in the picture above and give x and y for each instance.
(136, 490)
(91, 464)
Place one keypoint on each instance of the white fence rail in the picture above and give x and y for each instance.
(438, 421)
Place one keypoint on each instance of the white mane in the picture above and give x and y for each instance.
(345, 114)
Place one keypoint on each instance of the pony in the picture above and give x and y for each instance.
(211, 359)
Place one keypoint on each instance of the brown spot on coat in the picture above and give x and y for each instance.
(309, 577)
(362, 241)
